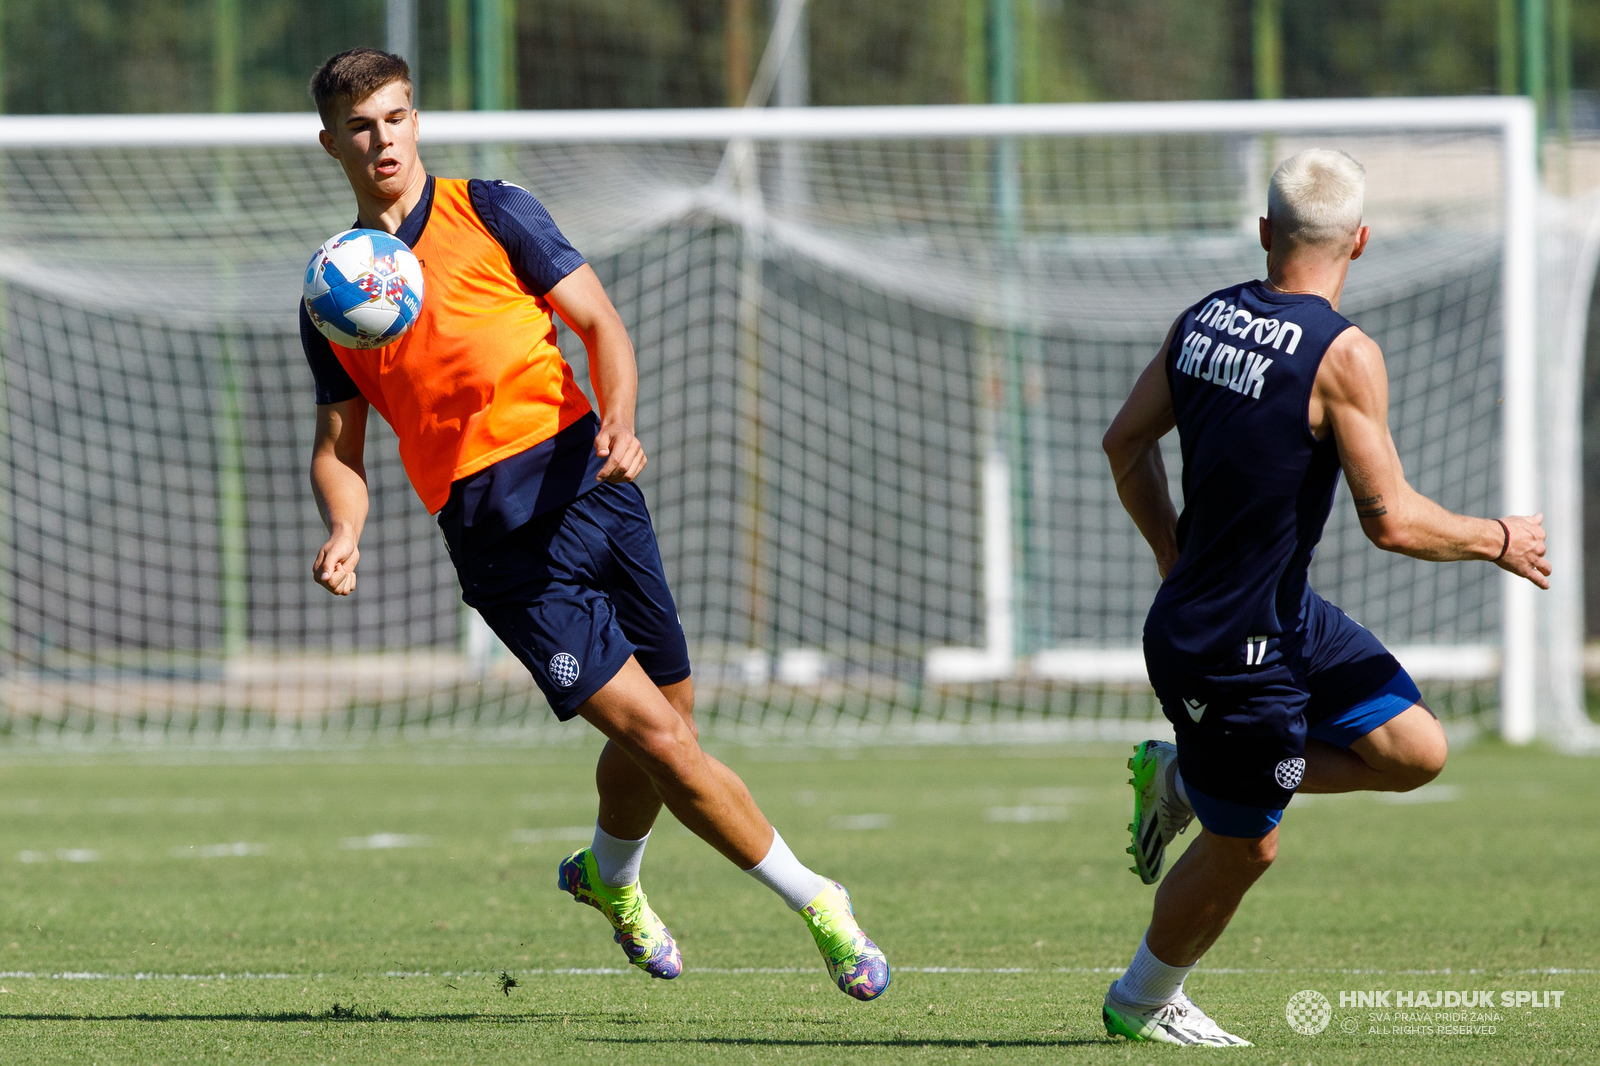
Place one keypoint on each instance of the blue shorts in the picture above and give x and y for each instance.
(575, 592)
(1242, 726)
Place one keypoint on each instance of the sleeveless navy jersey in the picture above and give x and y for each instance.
(1257, 486)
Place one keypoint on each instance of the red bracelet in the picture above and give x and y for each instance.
(1504, 546)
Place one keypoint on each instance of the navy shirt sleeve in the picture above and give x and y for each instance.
(539, 253)
(333, 383)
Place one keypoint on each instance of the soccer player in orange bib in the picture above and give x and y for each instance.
(537, 501)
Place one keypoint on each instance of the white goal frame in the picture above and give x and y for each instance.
(1512, 119)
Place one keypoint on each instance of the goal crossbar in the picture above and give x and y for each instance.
(1513, 116)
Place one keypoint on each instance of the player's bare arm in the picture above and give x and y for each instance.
(339, 483)
(583, 305)
(1133, 445)
(1350, 400)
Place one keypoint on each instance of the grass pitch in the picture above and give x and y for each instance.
(363, 908)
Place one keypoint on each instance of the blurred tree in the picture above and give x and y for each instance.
(153, 55)
(622, 53)
(888, 53)
(1390, 47)
(935, 52)
(1266, 32)
(160, 55)
(737, 32)
(225, 33)
(1153, 49)
(1585, 22)
(1507, 61)
(494, 31)
(286, 40)
(458, 38)
(96, 55)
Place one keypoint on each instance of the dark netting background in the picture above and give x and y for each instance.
(830, 341)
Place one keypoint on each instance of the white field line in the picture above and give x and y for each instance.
(1027, 813)
(610, 971)
(542, 836)
(375, 842)
(853, 822)
(62, 854)
(385, 841)
(217, 851)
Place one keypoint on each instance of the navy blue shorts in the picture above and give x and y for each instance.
(1242, 726)
(575, 591)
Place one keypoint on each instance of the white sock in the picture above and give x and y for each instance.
(782, 872)
(1179, 787)
(617, 859)
(1148, 982)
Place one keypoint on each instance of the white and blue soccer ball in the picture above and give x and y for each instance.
(363, 288)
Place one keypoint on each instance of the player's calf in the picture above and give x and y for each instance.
(1203, 890)
(707, 797)
(713, 803)
(1193, 906)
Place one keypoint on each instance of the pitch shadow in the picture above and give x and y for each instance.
(886, 1042)
(531, 1017)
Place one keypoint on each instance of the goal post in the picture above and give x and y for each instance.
(877, 366)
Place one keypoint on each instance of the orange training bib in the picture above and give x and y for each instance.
(478, 378)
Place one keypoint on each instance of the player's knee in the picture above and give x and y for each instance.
(1419, 769)
(681, 696)
(1261, 852)
(1422, 760)
(1253, 854)
(666, 748)
(685, 709)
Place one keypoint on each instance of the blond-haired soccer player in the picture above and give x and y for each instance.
(535, 495)
(1270, 688)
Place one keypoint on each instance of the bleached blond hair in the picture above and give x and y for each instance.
(1316, 197)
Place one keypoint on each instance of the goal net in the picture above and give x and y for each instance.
(878, 348)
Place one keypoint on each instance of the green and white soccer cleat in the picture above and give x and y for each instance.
(1177, 1022)
(643, 936)
(1159, 815)
(854, 961)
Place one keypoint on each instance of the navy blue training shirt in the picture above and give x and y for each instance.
(1257, 486)
(501, 497)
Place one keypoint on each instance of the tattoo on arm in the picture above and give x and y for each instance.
(1370, 507)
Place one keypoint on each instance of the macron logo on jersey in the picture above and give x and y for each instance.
(1209, 357)
(1237, 322)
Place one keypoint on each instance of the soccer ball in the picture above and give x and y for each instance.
(363, 288)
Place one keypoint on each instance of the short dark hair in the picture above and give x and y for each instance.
(351, 77)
